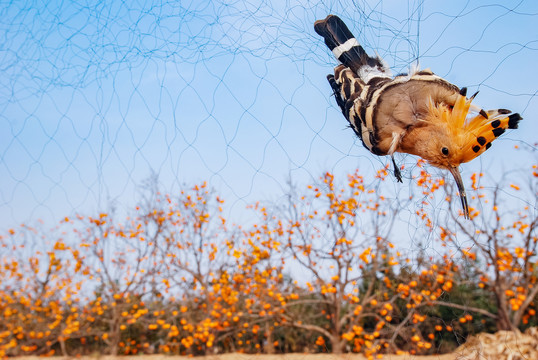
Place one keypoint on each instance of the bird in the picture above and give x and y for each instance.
(417, 113)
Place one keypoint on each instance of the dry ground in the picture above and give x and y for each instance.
(259, 357)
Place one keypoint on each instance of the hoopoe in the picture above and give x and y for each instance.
(418, 113)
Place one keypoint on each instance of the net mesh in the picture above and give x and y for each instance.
(96, 97)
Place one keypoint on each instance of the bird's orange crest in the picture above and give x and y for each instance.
(472, 135)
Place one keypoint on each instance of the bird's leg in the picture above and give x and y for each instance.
(396, 138)
(397, 171)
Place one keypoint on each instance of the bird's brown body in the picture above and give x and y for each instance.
(418, 113)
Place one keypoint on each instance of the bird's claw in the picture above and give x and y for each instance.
(398, 174)
(397, 171)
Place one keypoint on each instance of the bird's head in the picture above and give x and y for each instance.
(443, 149)
(455, 137)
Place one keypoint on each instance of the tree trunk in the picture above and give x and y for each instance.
(114, 350)
(503, 318)
(114, 336)
(336, 343)
(503, 321)
(269, 346)
(62, 346)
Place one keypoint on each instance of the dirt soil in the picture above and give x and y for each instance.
(257, 357)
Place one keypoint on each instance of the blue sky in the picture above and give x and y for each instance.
(94, 98)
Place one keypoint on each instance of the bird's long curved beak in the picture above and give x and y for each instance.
(456, 173)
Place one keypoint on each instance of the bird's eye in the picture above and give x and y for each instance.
(444, 151)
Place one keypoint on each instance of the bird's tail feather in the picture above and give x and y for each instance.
(344, 46)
